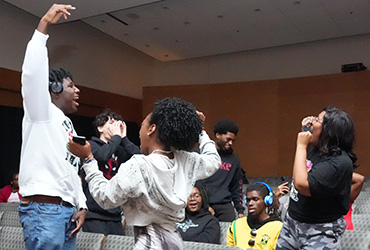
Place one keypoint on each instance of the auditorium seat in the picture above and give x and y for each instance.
(13, 207)
(189, 245)
(356, 240)
(118, 242)
(224, 227)
(89, 241)
(10, 219)
(11, 238)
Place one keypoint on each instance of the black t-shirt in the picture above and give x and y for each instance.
(330, 179)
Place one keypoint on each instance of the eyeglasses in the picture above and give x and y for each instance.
(195, 196)
(316, 119)
(252, 241)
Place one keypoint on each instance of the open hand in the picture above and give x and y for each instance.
(80, 218)
(53, 15)
(201, 116)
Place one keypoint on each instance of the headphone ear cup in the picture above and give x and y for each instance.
(269, 200)
(56, 87)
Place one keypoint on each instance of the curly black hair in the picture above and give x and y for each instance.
(103, 117)
(177, 123)
(57, 75)
(224, 126)
(337, 134)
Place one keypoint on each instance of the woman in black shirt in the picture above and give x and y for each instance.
(322, 176)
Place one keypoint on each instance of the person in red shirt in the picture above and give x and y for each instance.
(10, 193)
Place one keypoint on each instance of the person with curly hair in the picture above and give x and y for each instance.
(322, 178)
(153, 188)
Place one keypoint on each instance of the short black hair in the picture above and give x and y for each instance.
(103, 117)
(57, 75)
(223, 126)
(337, 134)
(259, 187)
(177, 123)
(264, 191)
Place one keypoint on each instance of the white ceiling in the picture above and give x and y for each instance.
(181, 29)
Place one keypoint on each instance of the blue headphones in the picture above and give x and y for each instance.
(269, 199)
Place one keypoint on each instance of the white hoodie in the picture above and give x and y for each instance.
(154, 188)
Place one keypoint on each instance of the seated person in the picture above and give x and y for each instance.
(10, 193)
(259, 229)
(199, 224)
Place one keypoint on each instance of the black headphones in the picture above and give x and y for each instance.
(56, 87)
(269, 199)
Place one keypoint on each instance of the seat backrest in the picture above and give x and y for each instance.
(10, 219)
(12, 238)
(362, 209)
(356, 240)
(129, 230)
(224, 226)
(13, 207)
(119, 242)
(190, 245)
(89, 241)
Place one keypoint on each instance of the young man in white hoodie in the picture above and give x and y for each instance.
(48, 179)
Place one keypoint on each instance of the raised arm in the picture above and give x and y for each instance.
(35, 69)
(299, 169)
(53, 15)
(209, 159)
(129, 147)
(127, 183)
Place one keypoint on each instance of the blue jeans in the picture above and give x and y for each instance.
(47, 226)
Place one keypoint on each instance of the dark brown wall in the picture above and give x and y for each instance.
(92, 101)
(269, 114)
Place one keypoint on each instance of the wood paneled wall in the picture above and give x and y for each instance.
(269, 114)
(92, 101)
